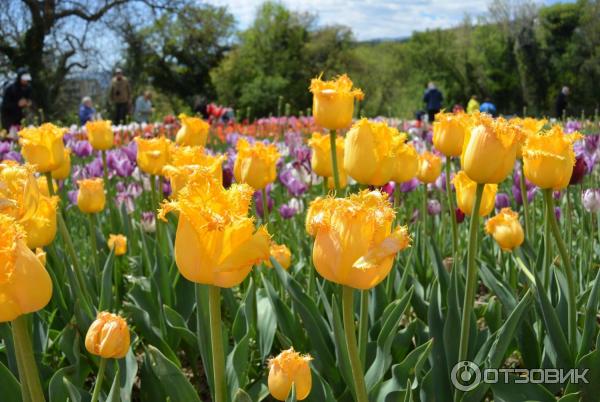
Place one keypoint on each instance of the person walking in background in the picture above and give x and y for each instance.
(120, 96)
(86, 110)
(562, 102)
(16, 98)
(143, 108)
(433, 99)
(473, 105)
(488, 107)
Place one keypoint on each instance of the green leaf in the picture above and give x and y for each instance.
(177, 324)
(106, 291)
(266, 324)
(590, 323)
(511, 392)
(11, 390)
(439, 371)
(172, 380)
(114, 393)
(241, 396)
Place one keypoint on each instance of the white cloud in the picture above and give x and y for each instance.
(373, 19)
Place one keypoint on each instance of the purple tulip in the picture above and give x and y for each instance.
(289, 177)
(119, 162)
(73, 196)
(131, 151)
(287, 212)
(13, 156)
(434, 207)
(4, 148)
(409, 186)
(591, 200)
(557, 213)
(258, 201)
(502, 201)
(148, 222)
(94, 168)
(82, 148)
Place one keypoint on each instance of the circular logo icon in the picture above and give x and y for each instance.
(465, 375)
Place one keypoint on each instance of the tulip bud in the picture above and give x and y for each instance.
(91, 197)
(591, 200)
(118, 243)
(449, 133)
(579, 170)
(287, 369)
(64, 170)
(465, 194)
(41, 227)
(430, 167)
(193, 131)
(100, 134)
(108, 337)
(506, 229)
(282, 255)
(153, 154)
(255, 164)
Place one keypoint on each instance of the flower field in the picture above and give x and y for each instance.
(321, 258)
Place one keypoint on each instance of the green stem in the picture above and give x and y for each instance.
(64, 232)
(451, 209)
(334, 162)
(99, 379)
(265, 203)
(31, 386)
(363, 327)
(569, 220)
(547, 245)
(355, 364)
(471, 276)
(525, 202)
(564, 255)
(218, 358)
(424, 225)
(94, 243)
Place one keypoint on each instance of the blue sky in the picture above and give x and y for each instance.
(374, 19)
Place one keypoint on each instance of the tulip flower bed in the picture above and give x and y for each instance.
(317, 259)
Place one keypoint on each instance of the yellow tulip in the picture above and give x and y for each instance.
(321, 154)
(64, 170)
(117, 242)
(19, 192)
(406, 163)
(25, 286)
(506, 229)
(153, 154)
(430, 167)
(100, 134)
(333, 102)
(255, 163)
(549, 158)
(43, 146)
(449, 133)
(528, 126)
(41, 256)
(369, 152)
(42, 184)
(216, 243)
(354, 242)
(490, 149)
(287, 369)
(41, 228)
(465, 194)
(282, 255)
(90, 197)
(193, 131)
(108, 337)
(185, 160)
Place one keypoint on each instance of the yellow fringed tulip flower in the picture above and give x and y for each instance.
(506, 229)
(64, 170)
(25, 286)
(255, 163)
(369, 152)
(100, 134)
(430, 167)
(41, 228)
(528, 126)
(43, 146)
(354, 242)
(216, 243)
(282, 255)
(465, 194)
(108, 337)
(41, 256)
(153, 154)
(406, 163)
(490, 149)
(449, 133)
(333, 102)
(90, 197)
(193, 131)
(185, 160)
(42, 184)
(549, 158)
(117, 242)
(288, 369)
(19, 192)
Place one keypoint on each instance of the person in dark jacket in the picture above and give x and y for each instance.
(86, 111)
(433, 99)
(562, 102)
(15, 99)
